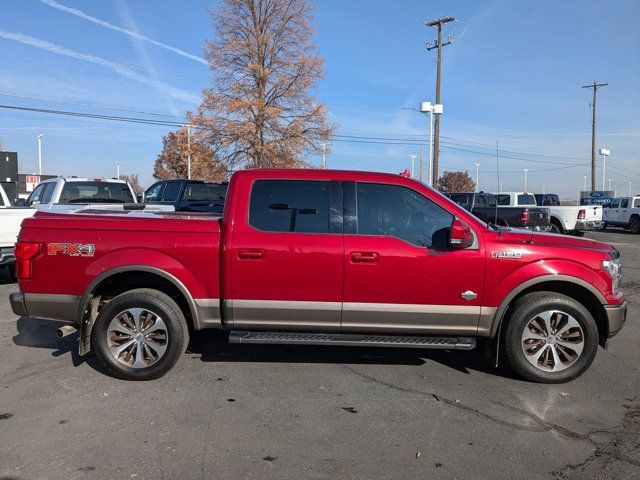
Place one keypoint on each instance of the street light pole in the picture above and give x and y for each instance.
(477, 176)
(629, 187)
(118, 170)
(584, 188)
(609, 184)
(604, 152)
(543, 189)
(40, 137)
(526, 171)
(413, 165)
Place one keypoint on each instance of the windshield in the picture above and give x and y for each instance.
(95, 192)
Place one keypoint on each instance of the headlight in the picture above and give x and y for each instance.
(614, 268)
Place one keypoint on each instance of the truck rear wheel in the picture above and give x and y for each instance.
(634, 225)
(140, 335)
(550, 338)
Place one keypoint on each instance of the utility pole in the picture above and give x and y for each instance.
(430, 46)
(595, 85)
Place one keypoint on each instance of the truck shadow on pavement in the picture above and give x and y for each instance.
(38, 333)
(212, 346)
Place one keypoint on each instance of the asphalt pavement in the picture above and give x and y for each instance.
(257, 411)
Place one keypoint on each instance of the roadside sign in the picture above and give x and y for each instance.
(31, 182)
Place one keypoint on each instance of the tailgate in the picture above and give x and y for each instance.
(593, 212)
(538, 217)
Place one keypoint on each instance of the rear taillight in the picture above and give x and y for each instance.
(524, 218)
(581, 214)
(25, 252)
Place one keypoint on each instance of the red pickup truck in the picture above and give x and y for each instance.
(319, 257)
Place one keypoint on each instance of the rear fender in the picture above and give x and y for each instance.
(129, 260)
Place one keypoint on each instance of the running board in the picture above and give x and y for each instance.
(353, 340)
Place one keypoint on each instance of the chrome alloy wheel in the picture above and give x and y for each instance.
(552, 341)
(137, 337)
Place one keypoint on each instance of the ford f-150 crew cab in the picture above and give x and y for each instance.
(319, 257)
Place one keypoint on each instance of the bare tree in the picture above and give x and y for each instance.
(172, 162)
(259, 111)
(134, 181)
(453, 182)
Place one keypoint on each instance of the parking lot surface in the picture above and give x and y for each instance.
(258, 411)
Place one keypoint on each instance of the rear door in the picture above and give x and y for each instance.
(400, 274)
(286, 256)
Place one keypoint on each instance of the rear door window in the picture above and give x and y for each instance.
(36, 195)
(290, 206)
(624, 203)
(47, 193)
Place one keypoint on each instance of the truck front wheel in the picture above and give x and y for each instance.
(140, 334)
(550, 338)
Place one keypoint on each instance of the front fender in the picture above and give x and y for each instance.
(558, 270)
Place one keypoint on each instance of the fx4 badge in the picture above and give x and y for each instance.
(71, 249)
(506, 254)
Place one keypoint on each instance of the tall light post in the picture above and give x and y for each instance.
(324, 155)
(609, 184)
(40, 137)
(629, 188)
(604, 152)
(477, 176)
(413, 165)
(188, 152)
(544, 189)
(431, 109)
(118, 170)
(500, 186)
(526, 171)
(584, 187)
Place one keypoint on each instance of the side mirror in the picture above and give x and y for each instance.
(140, 197)
(20, 202)
(460, 236)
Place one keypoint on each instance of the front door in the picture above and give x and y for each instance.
(400, 274)
(286, 258)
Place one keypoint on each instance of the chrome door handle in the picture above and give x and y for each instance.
(469, 295)
(250, 253)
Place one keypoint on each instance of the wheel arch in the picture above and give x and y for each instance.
(124, 278)
(573, 287)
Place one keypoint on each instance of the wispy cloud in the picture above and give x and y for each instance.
(126, 31)
(123, 70)
(141, 48)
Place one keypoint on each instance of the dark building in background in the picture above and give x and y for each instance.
(9, 174)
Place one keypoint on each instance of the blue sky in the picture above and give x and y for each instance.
(513, 75)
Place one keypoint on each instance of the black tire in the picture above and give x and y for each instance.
(578, 233)
(555, 228)
(527, 308)
(634, 225)
(603, 227)
(175, 343)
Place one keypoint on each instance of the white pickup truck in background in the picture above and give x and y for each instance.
(58, 195)
(623, 212)
(570, 219)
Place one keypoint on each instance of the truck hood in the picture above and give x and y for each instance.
(551, 240)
